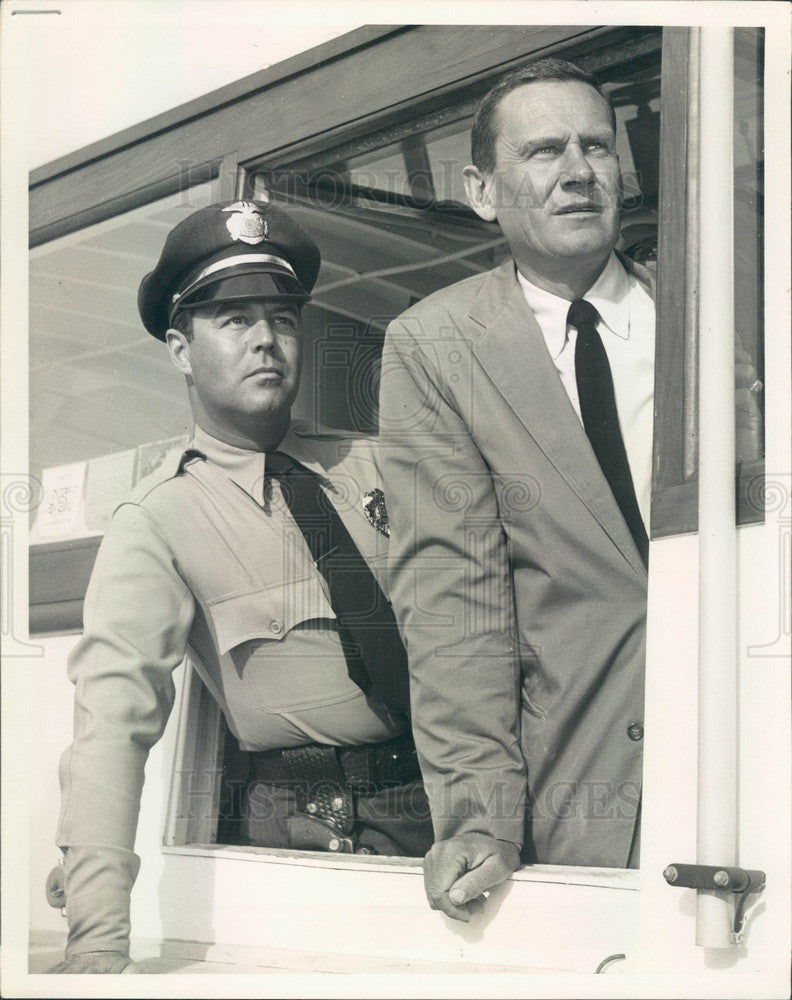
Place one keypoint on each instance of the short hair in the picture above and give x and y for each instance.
(183, 322)
(485, 134)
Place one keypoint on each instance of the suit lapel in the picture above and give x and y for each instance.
(513, 353)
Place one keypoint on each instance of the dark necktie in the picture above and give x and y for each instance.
(376, 658)
(601, 420)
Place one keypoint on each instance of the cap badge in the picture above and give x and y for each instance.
(374, 508)
(246, 223)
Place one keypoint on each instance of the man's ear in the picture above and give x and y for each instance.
(179, 349)
(479, 188)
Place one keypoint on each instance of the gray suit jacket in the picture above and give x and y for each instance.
(515, 580)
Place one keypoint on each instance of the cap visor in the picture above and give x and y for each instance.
(244, 281)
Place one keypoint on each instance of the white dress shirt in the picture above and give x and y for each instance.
(627, 329)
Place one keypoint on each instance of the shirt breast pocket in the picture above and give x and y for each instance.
(269, 613)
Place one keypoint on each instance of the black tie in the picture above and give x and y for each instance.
(601, 420)
(376, 658)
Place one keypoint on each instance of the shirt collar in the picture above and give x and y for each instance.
(243, 466)
(550, 312)
(609, 295)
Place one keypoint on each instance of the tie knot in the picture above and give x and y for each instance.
(277, 464)
(582, 313)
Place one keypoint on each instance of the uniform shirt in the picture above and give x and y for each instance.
(201, 557)
(627, 329)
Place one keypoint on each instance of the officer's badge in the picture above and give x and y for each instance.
(374, 507)
(246, 223)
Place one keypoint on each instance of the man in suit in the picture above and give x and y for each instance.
(516, 430)
(260, 551)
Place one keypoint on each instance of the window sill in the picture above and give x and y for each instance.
(611, 878)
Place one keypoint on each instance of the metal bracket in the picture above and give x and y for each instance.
(744, 881)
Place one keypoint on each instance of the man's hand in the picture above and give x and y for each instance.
(94, 962)
(458, 870)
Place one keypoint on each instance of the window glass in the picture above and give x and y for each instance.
(97, 381)
(101, 388)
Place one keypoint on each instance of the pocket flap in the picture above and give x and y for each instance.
(269, 613)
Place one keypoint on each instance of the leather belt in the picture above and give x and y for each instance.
(366, 770)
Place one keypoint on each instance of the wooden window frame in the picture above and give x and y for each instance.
(675, 460)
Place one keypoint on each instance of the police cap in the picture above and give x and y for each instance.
(241, 249)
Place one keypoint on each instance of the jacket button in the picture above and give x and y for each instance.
(635, 732)
(337, 803)
(334, 844)
(275, 626)
(312, 808)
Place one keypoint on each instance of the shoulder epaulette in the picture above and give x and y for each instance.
(168, 468)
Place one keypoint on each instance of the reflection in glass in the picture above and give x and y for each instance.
(99, 383)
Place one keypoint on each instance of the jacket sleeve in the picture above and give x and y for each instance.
(138, 613)
(450, 584)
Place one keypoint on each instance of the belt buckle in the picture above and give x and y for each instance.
(357, 765)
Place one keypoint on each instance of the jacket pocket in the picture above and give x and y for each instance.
(268, 613)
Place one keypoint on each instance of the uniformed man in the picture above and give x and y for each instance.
(258, 552)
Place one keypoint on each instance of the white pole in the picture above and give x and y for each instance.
(717, 764)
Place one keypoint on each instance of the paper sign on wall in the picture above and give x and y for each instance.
(62, 503)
